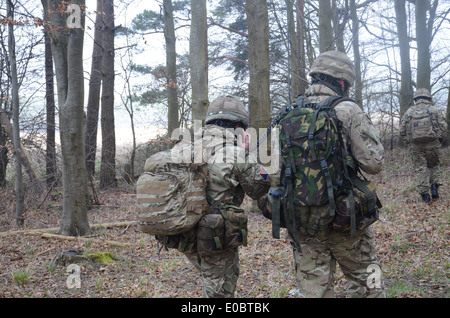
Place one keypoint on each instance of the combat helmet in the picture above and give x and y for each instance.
(229, 108)
(422, 93)
(335, 64)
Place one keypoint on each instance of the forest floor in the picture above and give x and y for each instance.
(412, 246)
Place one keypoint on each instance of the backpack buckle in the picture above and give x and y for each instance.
(324, 165)
(288, 172)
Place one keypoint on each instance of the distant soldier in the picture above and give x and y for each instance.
(424, 128)
(232, 174)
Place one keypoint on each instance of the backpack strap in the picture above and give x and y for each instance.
(288, 208)
(348, 185)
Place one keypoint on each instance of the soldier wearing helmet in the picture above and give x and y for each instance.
(332, 74)
(423, 128)
(229, 180)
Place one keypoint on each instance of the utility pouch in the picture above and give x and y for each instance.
(235, 227)
(358, 209)
(210, 234)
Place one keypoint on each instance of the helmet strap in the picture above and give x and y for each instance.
(331, 83)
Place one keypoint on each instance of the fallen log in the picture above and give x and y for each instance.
(55, 229)
(85, 239)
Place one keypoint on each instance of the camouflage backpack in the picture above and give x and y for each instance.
(315, 171)
(171, 195)
(422, 126)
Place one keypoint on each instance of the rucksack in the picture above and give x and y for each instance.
(422, 126)
(315, 171)
(171, 195)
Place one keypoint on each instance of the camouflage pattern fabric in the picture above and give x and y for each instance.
(315, 267)
(425, 155)
(335, 64)
(426, 161)
(439, 123)
(227, 107)
(219, 272)
(311, 185)
(171, 196)
(359, 135)
(230, 168)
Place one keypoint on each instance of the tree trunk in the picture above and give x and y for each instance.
(294, 54)
(16, 110)
(447, 140)
(50, 154)
(338, 28)
(423, 45)
(171, 67)
(93, 103)
(406, 89)
(325, 29)
(3, 156)
(356, 54)
(198, 60)
(67, 50)
(108, 157)
(259, 64)
(303, 84)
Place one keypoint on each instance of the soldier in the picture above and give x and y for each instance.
(333, 74)
(230, 179)
(423, 128)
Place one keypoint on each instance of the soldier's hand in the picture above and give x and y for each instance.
(243, 140)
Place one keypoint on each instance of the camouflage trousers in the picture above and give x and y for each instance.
(315, 266)
(426, 159)
(219, 272)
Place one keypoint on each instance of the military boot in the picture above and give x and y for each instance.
(426, 197)
(434, 191)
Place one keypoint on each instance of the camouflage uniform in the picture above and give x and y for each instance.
(315, 266)
(425, 155)
(233, 172)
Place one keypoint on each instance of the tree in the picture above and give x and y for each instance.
(108, 156)
(67, 50)
(301, 72)
(423, 43)
(171, 66)
(15, 107)
(325, 29)
(95, 82)
(198, 59)
(356, 53)
(259, 64)
(293, 52)
(50, 154)
(406, 89)
(447, 140)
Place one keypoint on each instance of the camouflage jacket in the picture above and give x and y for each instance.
(360, 137)
(232, 170)
(438, 119)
